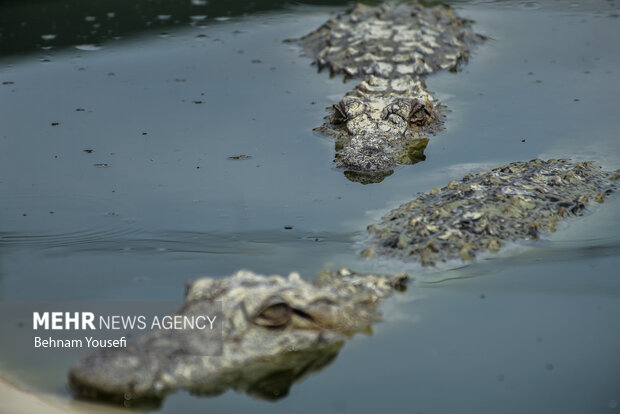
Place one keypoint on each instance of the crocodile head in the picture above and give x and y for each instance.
(274, 330)
(379, 123)
(392, 47)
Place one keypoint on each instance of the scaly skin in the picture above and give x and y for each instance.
(484, 211)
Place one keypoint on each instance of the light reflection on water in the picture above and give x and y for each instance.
(465, 337)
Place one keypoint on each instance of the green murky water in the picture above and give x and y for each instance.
(117, 124)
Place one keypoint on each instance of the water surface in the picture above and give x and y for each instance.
(116, 183)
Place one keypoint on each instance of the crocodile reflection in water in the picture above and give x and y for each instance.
(275, 330)
(386, 119)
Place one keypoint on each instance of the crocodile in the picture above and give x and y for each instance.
(386, 119)
(275, 331)
(486, 210)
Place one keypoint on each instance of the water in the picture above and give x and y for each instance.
(162, 108)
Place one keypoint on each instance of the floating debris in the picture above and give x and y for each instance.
(240, 157)
(88, 47)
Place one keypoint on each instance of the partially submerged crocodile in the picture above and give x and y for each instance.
(486, 210)
(385, 120)
(275, 331)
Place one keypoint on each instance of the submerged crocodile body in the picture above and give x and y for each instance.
(385, 120)
(274, 331)
(486, 210)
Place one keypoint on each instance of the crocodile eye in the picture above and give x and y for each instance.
(419, 114)
(276, 315)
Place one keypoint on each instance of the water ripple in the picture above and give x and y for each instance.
(80, 237)
(131, 239)
(56, 220)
